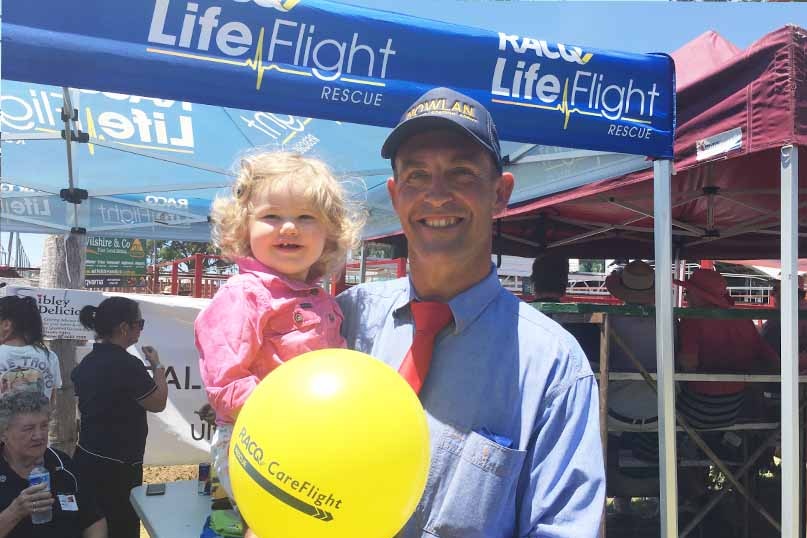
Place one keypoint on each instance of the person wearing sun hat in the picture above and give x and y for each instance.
(632, 404)
(717, 346)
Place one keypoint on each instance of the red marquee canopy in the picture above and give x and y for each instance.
(736, 109)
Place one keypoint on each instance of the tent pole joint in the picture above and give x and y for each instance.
(73, 196)
(67, 117)
(77, 136)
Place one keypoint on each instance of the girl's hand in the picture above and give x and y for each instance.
(151, 355)
(33, 499)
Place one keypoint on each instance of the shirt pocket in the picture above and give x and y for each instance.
(474, 481)
(333, 326)
(293, 330)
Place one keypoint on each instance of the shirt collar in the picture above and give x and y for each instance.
(109, 348)
(269, 275)
(465, 306)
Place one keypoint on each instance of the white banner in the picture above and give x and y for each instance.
(59, 309)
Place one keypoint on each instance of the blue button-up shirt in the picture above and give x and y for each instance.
(512, 409)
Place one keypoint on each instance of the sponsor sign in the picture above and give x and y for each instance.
(719, 145)
(115, 256)
(60, 309)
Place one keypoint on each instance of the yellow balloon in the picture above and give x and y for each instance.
(332, 444)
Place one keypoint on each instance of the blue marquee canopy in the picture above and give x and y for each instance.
(223, 76)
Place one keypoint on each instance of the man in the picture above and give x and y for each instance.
(510, 398)
(632, 404)
(550, 278)
(716, 346)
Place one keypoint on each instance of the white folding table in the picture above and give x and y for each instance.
(179, 513)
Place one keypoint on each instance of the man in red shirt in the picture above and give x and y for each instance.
(717, 346)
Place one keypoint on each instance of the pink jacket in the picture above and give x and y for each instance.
(257, 321)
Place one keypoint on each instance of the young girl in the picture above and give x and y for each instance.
(25, 362)
(287, 224)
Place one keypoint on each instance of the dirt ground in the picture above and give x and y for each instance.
(166, 473)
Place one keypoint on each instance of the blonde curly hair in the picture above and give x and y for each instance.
(307, 178)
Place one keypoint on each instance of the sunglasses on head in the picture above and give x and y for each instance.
(140, 323)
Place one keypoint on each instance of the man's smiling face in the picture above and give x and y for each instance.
(446, 191)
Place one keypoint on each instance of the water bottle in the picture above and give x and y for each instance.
(39, 475)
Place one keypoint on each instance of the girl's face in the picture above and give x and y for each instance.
(285, 233)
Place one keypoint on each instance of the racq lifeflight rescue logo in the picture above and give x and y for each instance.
(283, 45)
(140, 123)
(529, 82)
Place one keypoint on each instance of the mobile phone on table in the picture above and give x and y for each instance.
(155, 489)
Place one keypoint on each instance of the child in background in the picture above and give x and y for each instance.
(287, 224)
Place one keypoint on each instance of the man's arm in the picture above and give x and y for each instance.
(564, 493)
(96, 530)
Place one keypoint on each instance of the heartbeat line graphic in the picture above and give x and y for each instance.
(294, 133)
(564, 108)
(255, 64)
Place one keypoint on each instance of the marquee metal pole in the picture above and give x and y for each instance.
(789, 163)
(662, 230)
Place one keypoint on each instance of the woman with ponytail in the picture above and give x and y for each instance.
(114, 392)
(25, 362)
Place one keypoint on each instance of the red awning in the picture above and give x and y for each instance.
(733, 121)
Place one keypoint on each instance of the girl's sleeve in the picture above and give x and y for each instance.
(228, 336)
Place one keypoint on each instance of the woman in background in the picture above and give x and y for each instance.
(24, 418)
(25, 362)
(114, 392)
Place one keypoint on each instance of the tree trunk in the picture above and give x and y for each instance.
(63, 267)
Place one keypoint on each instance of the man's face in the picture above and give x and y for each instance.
(446, 191)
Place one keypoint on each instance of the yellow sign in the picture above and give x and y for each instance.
(136, 250)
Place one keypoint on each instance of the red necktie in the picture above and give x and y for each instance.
(430, 318)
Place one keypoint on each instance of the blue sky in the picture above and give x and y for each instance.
(626, 26)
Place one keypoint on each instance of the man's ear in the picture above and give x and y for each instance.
(504, 188)
(392, 189)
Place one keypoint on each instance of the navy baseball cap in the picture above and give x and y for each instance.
(443, 108)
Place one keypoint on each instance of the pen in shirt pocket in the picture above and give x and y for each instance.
(501, 440)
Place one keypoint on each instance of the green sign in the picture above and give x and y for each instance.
(115, 256)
